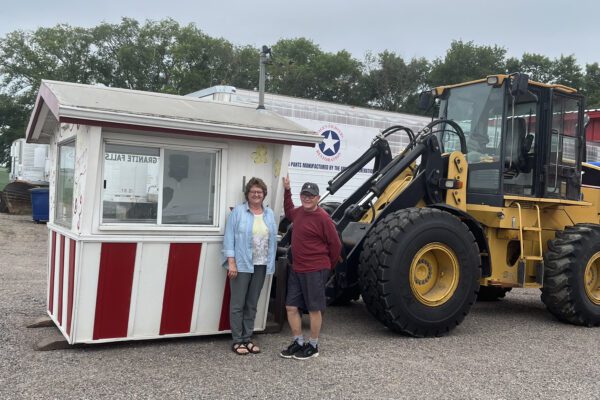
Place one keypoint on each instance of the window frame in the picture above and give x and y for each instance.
(64, 223)
(572, 192)
(531, 182)
(162, 143)
(451, 109)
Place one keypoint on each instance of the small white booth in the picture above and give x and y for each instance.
(140, 187)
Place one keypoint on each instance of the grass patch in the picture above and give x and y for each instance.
(3, 177)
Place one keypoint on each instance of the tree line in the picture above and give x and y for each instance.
(164, 56)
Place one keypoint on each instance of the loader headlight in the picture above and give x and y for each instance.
(451, 184)
(492, 80)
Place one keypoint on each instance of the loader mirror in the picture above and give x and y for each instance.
(519, 84)
(586, 120)
(425, 100)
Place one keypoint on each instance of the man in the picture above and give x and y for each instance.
(316, 249)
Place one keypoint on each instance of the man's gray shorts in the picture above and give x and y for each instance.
(306, 290)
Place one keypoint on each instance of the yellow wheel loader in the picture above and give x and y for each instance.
(493, 195)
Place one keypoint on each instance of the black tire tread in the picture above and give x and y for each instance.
(376, 259)
(564, 262)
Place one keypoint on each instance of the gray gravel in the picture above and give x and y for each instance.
(504, 350)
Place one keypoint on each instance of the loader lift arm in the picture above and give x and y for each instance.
(429, 174)
(427, 185)
(380, 152)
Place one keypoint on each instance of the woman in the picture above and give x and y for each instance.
(249, 248)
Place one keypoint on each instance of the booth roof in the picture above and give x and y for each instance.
(63, 102)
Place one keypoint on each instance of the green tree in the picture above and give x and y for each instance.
(14, 114)
(300, 68)
(392, 84)
(163, 56)
(566, 71)
(537, 66)
(291, 71)
(592, 85)
(135, 56)
(245, 68)
(466, 61)
(60, 53)
(202, 61)
(155, 56)
(340, 76)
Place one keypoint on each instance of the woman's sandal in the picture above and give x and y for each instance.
(240, 349)
(252, 348)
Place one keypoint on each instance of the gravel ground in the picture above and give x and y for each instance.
(504, 350)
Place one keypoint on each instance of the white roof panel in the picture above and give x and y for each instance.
(94, 105)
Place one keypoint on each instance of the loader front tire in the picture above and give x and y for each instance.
(419, 271)
(571, 290)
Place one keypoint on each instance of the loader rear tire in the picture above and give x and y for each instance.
(419, 271)
(571, 290)
(492, 293)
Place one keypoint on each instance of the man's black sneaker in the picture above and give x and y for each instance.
(308, 351)
(291, 349)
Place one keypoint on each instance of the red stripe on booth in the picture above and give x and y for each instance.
(61, 275)
(224, 321)
(71, 284)
(115, 279)
(52, 271)
(180, 288)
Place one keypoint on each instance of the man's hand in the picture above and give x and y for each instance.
(286, 182)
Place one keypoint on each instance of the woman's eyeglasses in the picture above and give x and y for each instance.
(256, 192)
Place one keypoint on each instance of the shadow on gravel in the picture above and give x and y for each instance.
(155, 343)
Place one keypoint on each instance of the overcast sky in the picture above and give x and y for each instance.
(410, 28)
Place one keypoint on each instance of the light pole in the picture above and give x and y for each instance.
(265, 58)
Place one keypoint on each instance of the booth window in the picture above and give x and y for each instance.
(64, 184)
(156, 186)
(188, 187)
(130, 184)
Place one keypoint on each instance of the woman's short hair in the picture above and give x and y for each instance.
(255, 182)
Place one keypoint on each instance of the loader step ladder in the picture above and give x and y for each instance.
(538, 258)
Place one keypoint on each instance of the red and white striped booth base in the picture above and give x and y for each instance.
(110, 289)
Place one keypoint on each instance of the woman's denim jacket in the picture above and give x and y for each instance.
(238, 238)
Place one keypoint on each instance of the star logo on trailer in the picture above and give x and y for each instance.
(331, 147)
(331, 143)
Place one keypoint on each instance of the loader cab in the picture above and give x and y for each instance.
(523, 138)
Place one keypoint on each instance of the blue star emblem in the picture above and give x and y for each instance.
(330, 144)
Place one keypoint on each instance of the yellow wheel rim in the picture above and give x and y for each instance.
(592, 279)
(434, 274)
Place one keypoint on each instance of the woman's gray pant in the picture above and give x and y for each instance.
(245, 291)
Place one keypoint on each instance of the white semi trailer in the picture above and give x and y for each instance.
(29, 169)
(29, 162)
(347, 132)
